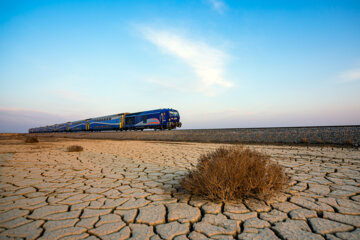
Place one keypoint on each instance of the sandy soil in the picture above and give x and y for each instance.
(129, 189)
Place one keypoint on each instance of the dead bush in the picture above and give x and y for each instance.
(75, 148)
(235, 173)
(31, 139)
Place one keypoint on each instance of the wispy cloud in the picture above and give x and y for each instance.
(218, 5)
(350, 75)
(206, 61)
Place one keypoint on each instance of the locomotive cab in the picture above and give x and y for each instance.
(174, 119)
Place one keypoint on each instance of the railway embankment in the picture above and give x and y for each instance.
(333, 135)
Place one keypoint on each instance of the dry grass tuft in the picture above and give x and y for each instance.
(235, 173)
(31, 139)
(75, 148)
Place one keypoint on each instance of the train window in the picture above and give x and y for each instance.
(144, 119)
(174, 114)
(130, 120)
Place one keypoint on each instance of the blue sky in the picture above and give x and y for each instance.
(220, 63)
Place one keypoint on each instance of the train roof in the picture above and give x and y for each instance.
(150, 111)
(107, 116)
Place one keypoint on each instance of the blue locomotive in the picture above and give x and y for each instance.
(158, 119)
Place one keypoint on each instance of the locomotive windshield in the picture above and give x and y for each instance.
(174, 114)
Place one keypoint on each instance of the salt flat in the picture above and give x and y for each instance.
(130, 189)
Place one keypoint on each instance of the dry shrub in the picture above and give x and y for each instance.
(75, 148)
(235, 173)
(31, 139)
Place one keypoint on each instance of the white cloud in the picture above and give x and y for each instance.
(206, 61)
(218, 5)
(351, 75)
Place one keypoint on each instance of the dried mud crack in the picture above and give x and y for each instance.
(130, 189)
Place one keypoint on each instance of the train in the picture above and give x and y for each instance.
(158, 119)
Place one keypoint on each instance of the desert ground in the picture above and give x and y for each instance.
(130, 190)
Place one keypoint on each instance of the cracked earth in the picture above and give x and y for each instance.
(130, 190)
